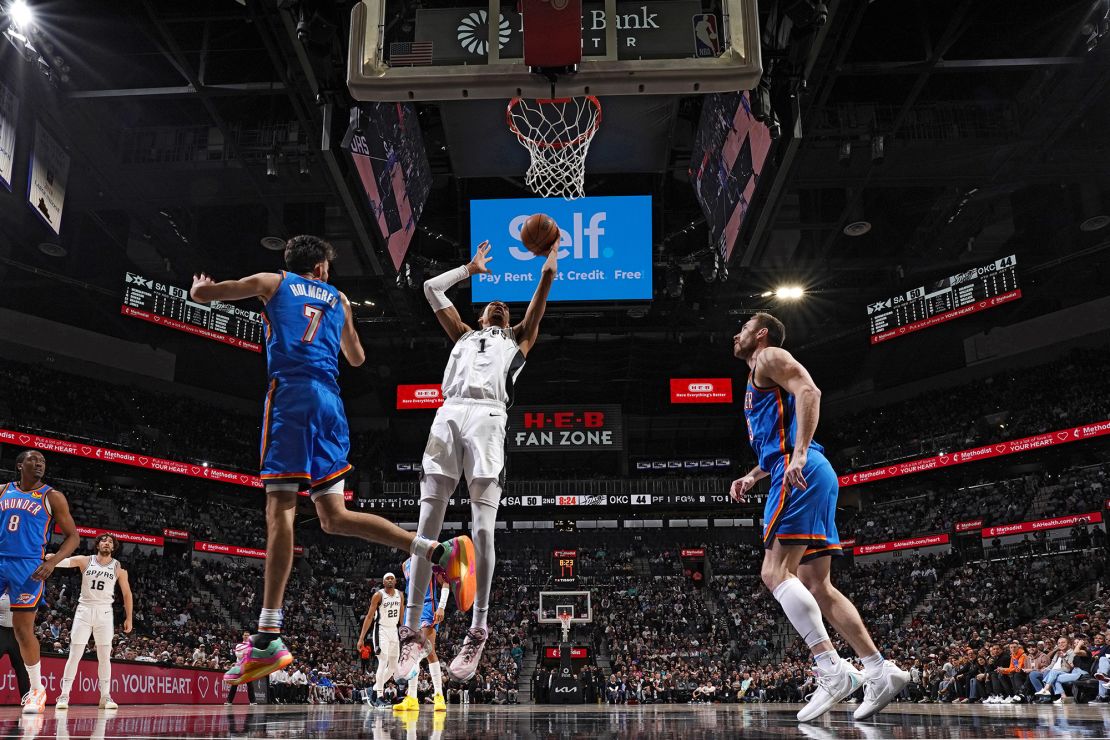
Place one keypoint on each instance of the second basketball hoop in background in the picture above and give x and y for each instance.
(557, 133)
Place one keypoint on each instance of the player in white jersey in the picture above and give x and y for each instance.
(467, 439)
(386, 606)
(100, 575)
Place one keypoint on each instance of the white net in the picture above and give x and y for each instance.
(564, 621)
(557, 134)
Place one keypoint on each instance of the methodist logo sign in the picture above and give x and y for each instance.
(701, 390)
(604, 248)
(562, 428)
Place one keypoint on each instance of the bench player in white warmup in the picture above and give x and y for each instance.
(385, 608)
(467, 439)
(100, 574)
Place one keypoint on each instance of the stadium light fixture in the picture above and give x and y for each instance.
(20, 14)
(789, 293)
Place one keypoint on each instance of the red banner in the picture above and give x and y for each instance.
(133, 537)
(235, 550)
(134, 459)
(200, 331)
(565, 553)
(175, 534)
(576, 653)
(701, 390)
(940, 318)
(969, 526)
(693, 552)
(137, 460)
(1025, 444)
(1059, 522)
(419, 397)
(132, 683)
(910, 544)
(848, 542)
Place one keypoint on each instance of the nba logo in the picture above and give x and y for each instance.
(706, 41)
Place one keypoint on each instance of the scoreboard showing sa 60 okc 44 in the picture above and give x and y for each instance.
(169, 306)
(966, 292)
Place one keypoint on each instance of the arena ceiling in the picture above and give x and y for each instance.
(992, 115)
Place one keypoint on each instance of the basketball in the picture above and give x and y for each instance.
(539, 233)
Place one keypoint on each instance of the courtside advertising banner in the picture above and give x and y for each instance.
(701, 390)
(909, 544)
(604, 249)
(134, 538)
(9, 118)
(425, 396)
(999, 449)
(970, 525)
(46, 188)
(218, 548)
(132, 683)
(1059, 522)
(565, 428)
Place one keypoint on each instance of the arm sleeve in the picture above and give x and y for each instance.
(66, 563)
(435, 289)
(443, 594)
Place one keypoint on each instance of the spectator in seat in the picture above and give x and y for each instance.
(1036, 665)
(1080, 667)
(1014, 674)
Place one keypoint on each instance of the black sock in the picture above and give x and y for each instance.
(262, 640)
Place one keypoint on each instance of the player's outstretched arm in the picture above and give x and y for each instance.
(125, 589)
(528, 330)
(75, 561)
(435, 290)
(348, 340)
(260, 285)
(369, 619)
(59, 508)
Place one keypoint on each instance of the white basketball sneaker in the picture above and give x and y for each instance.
(880, 689)
(832, 687)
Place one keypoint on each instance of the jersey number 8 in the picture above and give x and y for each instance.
(13, 523)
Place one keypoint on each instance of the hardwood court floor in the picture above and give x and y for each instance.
(481, 722)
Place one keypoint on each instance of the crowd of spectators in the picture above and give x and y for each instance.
(1014, 403)
(889, 513)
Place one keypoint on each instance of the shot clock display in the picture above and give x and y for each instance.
(564, 567)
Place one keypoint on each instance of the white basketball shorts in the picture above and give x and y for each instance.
(467, 439)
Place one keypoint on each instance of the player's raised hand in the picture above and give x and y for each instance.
(552, 262)
(740, 488)
(200, 279)
(794, 477)
(481, 258)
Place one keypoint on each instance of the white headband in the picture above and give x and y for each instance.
(389, 575)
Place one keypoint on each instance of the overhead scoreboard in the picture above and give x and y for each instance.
(966, 292)
(169, 306)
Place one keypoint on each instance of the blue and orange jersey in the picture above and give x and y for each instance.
(25, 522)
(772, 425)
(304, 324)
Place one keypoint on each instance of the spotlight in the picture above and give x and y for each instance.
(271, 166)
(302, 168)
(844, 154)
(21, 15)
(789, 293)
(878, 150)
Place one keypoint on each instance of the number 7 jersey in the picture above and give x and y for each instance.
(304, 326)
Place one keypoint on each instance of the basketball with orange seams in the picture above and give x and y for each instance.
(539, 234)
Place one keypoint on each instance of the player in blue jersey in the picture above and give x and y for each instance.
(430, 618)
(781, 407)
(305, 438)
(29, 509)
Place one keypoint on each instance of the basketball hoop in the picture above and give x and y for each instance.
(564, 620)
(557, 133)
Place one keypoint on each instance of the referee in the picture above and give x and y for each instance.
(9, 646)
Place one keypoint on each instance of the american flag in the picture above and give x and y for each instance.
(410, 52)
